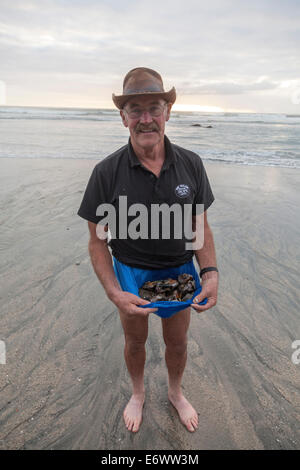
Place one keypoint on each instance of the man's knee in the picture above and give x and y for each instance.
(135, 343)
(176, 346)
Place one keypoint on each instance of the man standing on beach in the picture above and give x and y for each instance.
(150, 170)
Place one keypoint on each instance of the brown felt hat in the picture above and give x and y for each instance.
(142, 81)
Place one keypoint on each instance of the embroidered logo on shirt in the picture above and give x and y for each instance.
(182, 190)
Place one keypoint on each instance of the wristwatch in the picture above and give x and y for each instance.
(206, 270)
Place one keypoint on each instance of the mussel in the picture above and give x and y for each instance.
(146, 294)
(183, 278)
(169, 289)
(150, 285)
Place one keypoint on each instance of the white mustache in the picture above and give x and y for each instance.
(141, 129)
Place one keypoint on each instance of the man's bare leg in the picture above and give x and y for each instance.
(175, 336)
(135, 331)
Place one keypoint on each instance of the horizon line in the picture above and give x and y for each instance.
(115, 109)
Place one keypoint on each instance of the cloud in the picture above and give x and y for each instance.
(226, 88)
(215, 48)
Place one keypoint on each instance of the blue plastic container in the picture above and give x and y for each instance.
(131, 279)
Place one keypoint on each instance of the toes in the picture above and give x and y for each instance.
(133, 425)
(195, 421)
(136, 426)
(133, 414)
(190, 426)
(130, 424)
(192, 423)
(127, 420)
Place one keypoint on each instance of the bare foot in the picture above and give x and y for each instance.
(133, 412)
(187, 414)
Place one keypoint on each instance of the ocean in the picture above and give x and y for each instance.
(239, 138)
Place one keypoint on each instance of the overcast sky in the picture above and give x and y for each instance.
(227, 54)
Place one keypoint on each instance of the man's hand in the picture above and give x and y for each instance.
(128, 303)
(209, 289)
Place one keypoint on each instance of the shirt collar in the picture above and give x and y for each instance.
(170, 155)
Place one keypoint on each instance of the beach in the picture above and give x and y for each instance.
(65, 383)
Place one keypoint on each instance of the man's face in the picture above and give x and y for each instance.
(146, 130)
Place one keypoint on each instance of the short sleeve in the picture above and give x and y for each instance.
(95, 194)
(204, 193)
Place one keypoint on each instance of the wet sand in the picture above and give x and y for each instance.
(65, 384)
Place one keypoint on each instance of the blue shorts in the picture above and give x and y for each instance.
(131, 279)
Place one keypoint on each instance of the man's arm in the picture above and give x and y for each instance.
(102, 263)
(206, 256)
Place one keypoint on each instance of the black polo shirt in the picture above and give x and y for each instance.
(182, 180)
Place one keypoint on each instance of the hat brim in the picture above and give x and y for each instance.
(169, 96)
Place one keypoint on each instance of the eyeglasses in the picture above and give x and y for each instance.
(155, 111)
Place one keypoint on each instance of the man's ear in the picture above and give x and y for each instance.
(124, 119)
(169, 106)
